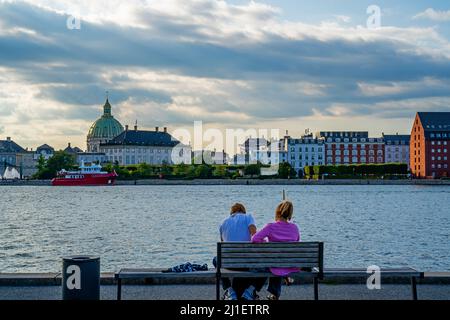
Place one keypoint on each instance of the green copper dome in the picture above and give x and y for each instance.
(106, 127)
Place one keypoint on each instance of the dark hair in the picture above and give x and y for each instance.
(237, 207)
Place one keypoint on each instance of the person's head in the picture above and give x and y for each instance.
(284, 211)
(237, 208)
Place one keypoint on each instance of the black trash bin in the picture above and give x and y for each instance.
(81, 278)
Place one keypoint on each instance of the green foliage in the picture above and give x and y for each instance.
(252, 170)
(203, 171)
(285, 171)
(60, 160)
(357, 171)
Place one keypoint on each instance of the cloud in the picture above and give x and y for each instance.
(173, 62)
(434, 15)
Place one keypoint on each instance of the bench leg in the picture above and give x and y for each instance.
(119, 289)
(414, 288)
(316, 288)
(218, 287)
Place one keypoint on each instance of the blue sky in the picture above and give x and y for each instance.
(283, 64)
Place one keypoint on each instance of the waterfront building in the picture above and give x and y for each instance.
(254, 150)
(13, 155)
(103, 130)
(304, 151)
(72, 150)
(210, 157)
(429, 145)
(45, 151)
(141, 146)
(396, 148)
(91, 157)
(352, 147)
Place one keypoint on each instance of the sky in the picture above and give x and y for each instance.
(288, 64)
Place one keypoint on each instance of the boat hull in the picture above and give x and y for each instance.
(86, 180)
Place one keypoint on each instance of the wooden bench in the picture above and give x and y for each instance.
(245, 255)
(385, 273)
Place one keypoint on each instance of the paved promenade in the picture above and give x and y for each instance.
(207, 292)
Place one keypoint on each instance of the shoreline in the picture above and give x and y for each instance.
(224, 182)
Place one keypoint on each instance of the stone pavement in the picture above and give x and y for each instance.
(207, 292)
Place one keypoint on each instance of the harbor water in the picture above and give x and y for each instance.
(162, 226)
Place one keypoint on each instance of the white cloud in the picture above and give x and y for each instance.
(434, 15)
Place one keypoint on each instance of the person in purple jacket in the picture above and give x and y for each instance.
(282, 230)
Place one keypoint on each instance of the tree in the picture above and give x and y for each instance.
(285, 171)
(252, 170)
(60, 160)
(203, 171)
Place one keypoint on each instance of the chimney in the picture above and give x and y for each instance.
(165, 129)
(69, 144)
(135, 128)
(8, 138)
(126, 127)
(156, 129)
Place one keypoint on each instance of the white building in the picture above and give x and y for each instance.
(45, 151)
(304, 151)
(141, 146)
(396, 148)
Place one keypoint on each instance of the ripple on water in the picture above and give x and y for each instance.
(162, 226)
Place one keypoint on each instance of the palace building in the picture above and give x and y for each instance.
(103, 130)
(429, 145)
(140, 146)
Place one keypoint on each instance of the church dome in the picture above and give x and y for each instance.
(106, 127)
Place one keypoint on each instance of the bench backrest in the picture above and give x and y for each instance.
(236, 255)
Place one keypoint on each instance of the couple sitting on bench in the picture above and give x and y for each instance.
(241, 227)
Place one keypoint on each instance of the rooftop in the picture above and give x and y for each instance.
(144, 138)
(10, 146)
(435, 121)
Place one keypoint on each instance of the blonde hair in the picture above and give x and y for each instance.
(284, 210)
(237, 207)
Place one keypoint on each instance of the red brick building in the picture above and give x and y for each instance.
(430, 144)
(352, 147)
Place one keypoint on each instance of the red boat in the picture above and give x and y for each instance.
(87, 176)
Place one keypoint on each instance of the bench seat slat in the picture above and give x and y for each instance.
(270, 244)
(231, 273)
(270, 250)
(269, 265)
(269, 255)
(274, 260)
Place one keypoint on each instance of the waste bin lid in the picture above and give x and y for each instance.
(84, 258)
